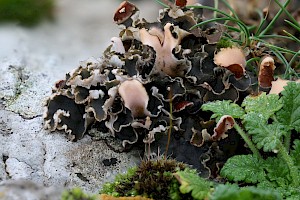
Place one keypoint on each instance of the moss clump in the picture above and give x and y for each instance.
(26, 12)
(225, 43)
(152, 178)
(76, 194)
(120, 180)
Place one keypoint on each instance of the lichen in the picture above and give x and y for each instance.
(127, 94)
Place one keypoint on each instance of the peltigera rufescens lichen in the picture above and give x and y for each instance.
(127, 92)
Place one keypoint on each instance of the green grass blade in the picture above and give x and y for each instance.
(289, 72)
(216, 5)
(293, 25)
(210, 8)
(261, 23)
(287, 12)
(231, 9)
(213, 20)
(271, 46)
(292, 36)
(294, 58)
(275, 18)
(162, 4)
(231, 28)
(278, 36)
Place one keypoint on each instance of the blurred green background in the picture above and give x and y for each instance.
(26, 12)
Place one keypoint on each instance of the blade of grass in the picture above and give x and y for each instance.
(293, 25)
(252, 60)
(271, 46)
(231, 9)
(251, 67)
(209, 8)
(293, 59)
(280, 49)
(292, 36)
(162, 4)
(216, 5)
(285, 63)
(213, 20)
(275, 18)
(231, 28)
(287, 12)
(235, 19)
(243, 27)
(288, 71)
(278, 36)
(261, 23)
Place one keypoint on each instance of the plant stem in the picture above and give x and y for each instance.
(247, 140)
(171, 123)
(293, 169)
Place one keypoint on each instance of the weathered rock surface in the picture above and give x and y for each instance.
(36, 164)
(28, 152)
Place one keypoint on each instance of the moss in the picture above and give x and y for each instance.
(26, 12)
(225, 43)
(121, 179)
(76, 194)
(152, 178)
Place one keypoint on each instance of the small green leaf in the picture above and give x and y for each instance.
(279, 175)
(254, 119)
(191, 182)
(288, 192)
(232, 192)
(295, 153)
(247, 168)
(289, 115)
(265, 136)
(225, 192)
(220, 108)
(264, 104)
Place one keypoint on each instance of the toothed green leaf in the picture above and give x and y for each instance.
(295, 153)
(279, 175)
(289, 115)
(264, 104)
(265, 136)
(191, 182)
(247, 168)
(287, 193)
(225, 192)
(220, 108)
(233, 192)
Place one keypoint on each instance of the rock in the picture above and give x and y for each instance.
(48, 159)
(36, 164)
(22, 90)
(24, 189)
